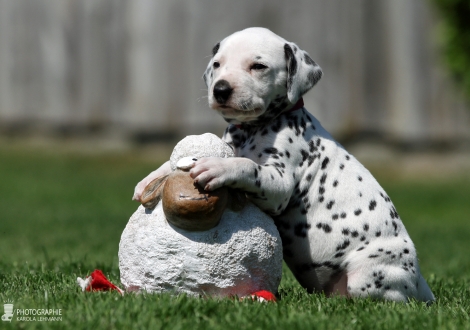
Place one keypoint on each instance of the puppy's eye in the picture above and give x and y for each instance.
(216, 65)
(258, 67)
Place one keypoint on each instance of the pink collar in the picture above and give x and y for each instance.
(299, 105)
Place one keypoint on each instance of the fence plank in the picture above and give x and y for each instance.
(136, 65)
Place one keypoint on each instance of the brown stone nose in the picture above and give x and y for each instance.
(222, 91)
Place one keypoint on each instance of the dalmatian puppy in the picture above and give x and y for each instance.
(341, 233)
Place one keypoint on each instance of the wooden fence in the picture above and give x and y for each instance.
(135, 66)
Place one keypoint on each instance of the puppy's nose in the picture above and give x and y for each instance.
(222, 91)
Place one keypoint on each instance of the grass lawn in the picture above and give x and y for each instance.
(62, 214)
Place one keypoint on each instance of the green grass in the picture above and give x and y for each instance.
(62, 214)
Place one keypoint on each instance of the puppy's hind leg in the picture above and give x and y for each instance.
(382, 282)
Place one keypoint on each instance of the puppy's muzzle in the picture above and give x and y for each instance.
(222, 91)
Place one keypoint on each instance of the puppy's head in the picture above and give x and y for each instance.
(254, 71)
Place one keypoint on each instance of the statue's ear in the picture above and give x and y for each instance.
(302, 72)
(152, 194)
(208, 74)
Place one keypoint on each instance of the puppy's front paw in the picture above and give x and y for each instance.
(140, 187)
(138, 190)
(211, 173)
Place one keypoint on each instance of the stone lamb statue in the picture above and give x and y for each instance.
(185, 240)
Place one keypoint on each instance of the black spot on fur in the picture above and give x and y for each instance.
(270, 150)
(359, 178)
(323, 179)
(291, 65)
(305, 156)
(341, 166)
(386, 198)
(366, 227)
(335, 216)
(357, 212)
(215, 49)
(372, 205)
(303, 193)
(335, 183)
(343, 246)
(330, 205)
(326, 228)
(309, 60)
(312, 147)
(311, 159)
(343, 215)
(325, 163)
(393, 213)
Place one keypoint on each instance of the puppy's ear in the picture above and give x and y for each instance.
(302, 72)
(207, 76)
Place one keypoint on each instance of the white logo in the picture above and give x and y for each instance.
(8, 308)
(30, 314)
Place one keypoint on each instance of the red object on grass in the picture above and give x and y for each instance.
(263, 295)
(97, 281)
